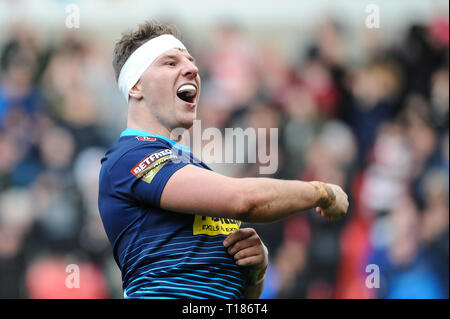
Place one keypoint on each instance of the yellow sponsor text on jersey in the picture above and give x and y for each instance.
(215, 225)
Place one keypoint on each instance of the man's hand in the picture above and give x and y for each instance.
(332, 201)
(248, 250)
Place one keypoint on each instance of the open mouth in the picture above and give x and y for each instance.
(187, 93)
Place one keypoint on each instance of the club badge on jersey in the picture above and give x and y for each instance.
(146, 138)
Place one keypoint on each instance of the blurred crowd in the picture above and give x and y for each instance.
(375, 123)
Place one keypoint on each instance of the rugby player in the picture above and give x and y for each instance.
(173, 223)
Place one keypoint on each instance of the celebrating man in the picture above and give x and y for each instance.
(174, 224)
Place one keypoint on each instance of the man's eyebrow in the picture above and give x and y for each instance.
(191, 58)
(175, 57)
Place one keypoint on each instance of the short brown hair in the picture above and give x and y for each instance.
(132, 40)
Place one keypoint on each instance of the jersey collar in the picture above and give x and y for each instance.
(135, 132)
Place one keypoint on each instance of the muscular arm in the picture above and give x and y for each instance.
(256, 200)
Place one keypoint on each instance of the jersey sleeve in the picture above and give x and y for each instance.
(142, 173)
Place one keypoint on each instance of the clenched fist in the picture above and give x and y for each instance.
(332, 201)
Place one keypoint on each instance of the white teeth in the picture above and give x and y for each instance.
(189, 89)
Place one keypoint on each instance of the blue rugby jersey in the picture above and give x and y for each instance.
(162, 254)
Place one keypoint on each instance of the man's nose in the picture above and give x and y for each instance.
(190, 70)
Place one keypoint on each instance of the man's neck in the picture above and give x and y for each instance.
(152, 126)
(151, 129)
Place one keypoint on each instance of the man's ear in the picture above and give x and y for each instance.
(136, 91)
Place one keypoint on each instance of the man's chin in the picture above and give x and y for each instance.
(187, 120)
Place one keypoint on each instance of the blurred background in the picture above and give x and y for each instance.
(366, 108)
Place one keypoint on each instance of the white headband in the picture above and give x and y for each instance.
(142, 58)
